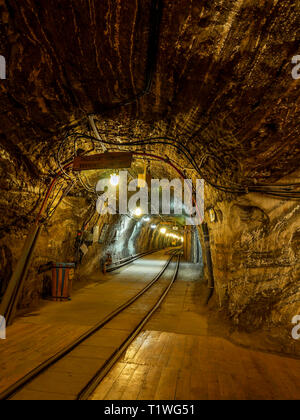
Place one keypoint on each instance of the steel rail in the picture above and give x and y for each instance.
(33, 374)
(100, 375)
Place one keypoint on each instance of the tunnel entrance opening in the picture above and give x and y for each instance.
(60, 188)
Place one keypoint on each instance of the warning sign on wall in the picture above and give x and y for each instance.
(115, 160)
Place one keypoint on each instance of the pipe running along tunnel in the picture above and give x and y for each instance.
(149, 237)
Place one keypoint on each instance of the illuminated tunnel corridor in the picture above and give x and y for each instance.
(149, 208)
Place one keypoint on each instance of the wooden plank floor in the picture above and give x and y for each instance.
(176, 358)
(69, 376)
(40, 335)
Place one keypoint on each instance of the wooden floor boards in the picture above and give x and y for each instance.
(175, 358)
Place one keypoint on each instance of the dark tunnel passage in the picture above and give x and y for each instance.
(149, 206)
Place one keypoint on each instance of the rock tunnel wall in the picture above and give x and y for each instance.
(255, 250)
(120, 236)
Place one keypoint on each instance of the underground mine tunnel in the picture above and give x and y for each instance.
(149, 208)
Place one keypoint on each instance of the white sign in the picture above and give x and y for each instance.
(96, 233)
(84, 249)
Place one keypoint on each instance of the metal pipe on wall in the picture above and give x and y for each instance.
(9, 303)
(97, 135)
(211, 279)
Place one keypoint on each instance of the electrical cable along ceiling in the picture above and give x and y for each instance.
(195, 82)
(285, 191)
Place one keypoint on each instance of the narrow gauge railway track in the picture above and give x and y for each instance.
(76, 371)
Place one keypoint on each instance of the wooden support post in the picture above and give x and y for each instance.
(188, 243)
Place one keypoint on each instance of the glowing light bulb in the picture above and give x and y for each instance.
(138, 212)
(163, 231)
(114, 180)
(153, 227)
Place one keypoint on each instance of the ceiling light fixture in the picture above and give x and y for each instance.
(115, 180)
(138, 212)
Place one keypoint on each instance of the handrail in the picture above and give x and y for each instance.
(128, 261)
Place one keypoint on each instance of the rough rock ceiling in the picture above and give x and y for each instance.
(222, 85)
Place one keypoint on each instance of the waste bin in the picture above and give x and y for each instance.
(62, 276)
(106, 262)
